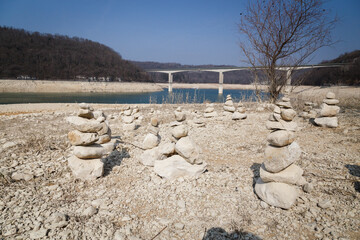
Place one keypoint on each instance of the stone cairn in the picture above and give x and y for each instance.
(328, 110)
(308, 111)
(91, 140)
(185, 159)
(240, 112)
(128, 120)
(210, 111)
(152, 139)
(229, 105)
(278, 173)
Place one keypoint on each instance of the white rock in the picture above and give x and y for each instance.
(153, 130)
(210, 114)
(129, 127)
(331, 101)
(109, 146)
(39, 233)
(229, 108)
(127, 112)
(277, 110)
(281, 125)
(104, 139)
(279, 158)
(87, 152)
(330, 95)
(179, 131)
(176, 166)
(84, 105)
(328, 110)
(99, 115)
(150, 141)
(186, 148)
(90, 211)
(330, 122)
(104, 129)
(284, 104)
(167, 149)
(84, 125)
(276, 194)
(241, 109)
(179, 116)
(281, 138)
(86, 169)
(128, 119)
(85, 113)
(17, 176)
(290, 175)
(237, 116)
(288, 114)
(8, 145)
(78, 138)
(209, 110)
(148, 157)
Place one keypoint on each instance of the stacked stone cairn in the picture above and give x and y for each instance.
(185, 160)
(328, 111)
(128, 120)
(210, 111)
(229, 105)
(278, 173)
(152, 139)
(308, 111)
(240, 112)
(91, 140)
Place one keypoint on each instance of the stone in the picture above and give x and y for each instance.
(148, 157)
(99, 115)
(179, 226)
(238, 116)
(285, 99)
(176, 166)
(88, 152)
(84, 125)
(284, 104)
(84, 105)
(229, 108)
(288, 114)
(277, 110)
(127, 112)
(325, 204)
(85, 113)
(210, 114)
(89, 211)
(330, 95)
(328, 110)
(279, 158)
(179, 116)
(78, 138)
(229, 103)
(281, 125)
(109, 146)
(150, 141)
(129, 127)
(86, 169)
(39, 233)
(179, 131)
(56, 220)
(119, 235)
(281, 138)
(167, 149)
(154, 122)
(17, 176)
(290, 175)
(153, 130)
(241, 109)
(104, 130)
(276, 194)
(186, 148)
(209, 109)
(308, 187)
(128, 119)
(331, 101)
(104, 139)
(330, 122)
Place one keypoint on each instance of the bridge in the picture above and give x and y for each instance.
(221, 71)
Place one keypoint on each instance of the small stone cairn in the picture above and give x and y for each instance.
(308, 111)
(210, 111)
(128, 120)
(278, 173)
(152, 139)
(185, 159)
(240, 112)
(229, 105)
(328, 110)
(91, 140)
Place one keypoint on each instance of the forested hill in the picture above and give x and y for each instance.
(347, 75)
(33, 55)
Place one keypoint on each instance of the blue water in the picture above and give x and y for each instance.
(177, 96)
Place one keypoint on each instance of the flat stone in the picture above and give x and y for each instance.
(129, 127)
(17, 176)
(84, 125)
(41, 233)
(284, 104)
(281, 125)
(238, 116)
(290, 175)
(186, 148)
(84, 105)
(150, 141)
(229, 108)
(179, 116)
(86, 169)
(176, 166)
(288, 114)
(210, 115)
(276, 194)
(229, 103)
(281, 138)
(326, 203)
(153, 130)
(109, 146)
(127, 112)
(277, 110)
(209, 110)
(104, 139)
(78, 138)
(328, 110)
(88, 152)
(241, 109)
(148, 157)
(285, 99)
(167, 149)
(331, 101)
(175, 123)
(85, 113)
(330, 122)
(104, 130)
(330, 95)
(128, 119)
(279, 158)
(179, 131)
(308, 104)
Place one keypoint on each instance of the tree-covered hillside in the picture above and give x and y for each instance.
(33, 55)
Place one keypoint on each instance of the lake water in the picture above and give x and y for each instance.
(177, 96)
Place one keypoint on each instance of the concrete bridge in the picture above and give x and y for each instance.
(221, 71)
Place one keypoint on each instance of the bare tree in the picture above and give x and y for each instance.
(283, 33)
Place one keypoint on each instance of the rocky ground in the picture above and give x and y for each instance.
(39, 197)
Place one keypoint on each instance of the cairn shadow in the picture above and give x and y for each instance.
(255, 168)
(114, 159)
(220, 234)
(355, 171)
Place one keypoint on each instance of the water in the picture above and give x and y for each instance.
(177, 96)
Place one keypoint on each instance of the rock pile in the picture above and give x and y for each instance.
(229, 105)
(152, 139)
(91, 140)
(240, 112)
(328, 110)
(308, 111)
(128, 120)
(278, 173)
(210, 111)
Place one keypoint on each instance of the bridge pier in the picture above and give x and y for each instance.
(221, 82)
(170, 81)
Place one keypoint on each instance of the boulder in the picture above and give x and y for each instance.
(86, 169)
(84, 125)
(281, 138)
(151, 141)
(176, 166)
(281, 125)
(328, 110)
(179, 131)
(88, 152)
(330, 122)
(290, 175)
(78, 138)
(276, 194)
(288, 114)
(279, 158)
(186, 148)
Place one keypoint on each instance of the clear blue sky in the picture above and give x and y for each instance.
(182, 31)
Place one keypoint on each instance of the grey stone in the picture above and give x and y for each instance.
(148, 157)
(288, 114)
(186, 148)
(89, 211)
(151, 141)
(284, 104)
(88, 152)
(210, 114)
(85, 113)
(330, 122)
(331, 101)
(86, 169)
(325, 204)
(84, 125)
(39, 233)
(308, 187)
(179, 131)
(237, 116)
(281, 138)
(330, 95)
(128, 119)
(129, 127)
(328, 110)
(290, 175)
(78, 138)
(281, 125)
(229, 108)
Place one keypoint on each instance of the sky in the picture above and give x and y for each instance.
(179, 31)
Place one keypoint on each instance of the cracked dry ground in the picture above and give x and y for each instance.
(132, 200)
